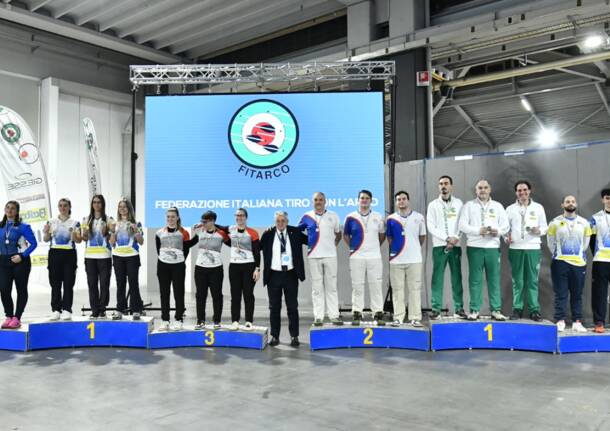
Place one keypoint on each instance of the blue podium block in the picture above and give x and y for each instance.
(574, 342)
(14, 339)
(256, 338)
(338, 337)
(82, 332)
(488, 334)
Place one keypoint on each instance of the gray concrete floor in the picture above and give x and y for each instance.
(284, 388)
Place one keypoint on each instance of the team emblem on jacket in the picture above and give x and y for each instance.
(263, 133)
(10, 133)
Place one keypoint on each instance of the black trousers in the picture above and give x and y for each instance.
(98, 274)
(126, 270)
(240, 277)
(599, 291)
(288, 283)
(209, 278)
(18, 273)
(62, 273)
(171, 274)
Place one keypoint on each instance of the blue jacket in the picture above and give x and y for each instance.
(14, 234)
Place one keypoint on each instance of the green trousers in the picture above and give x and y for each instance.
(525, 266)
(441, 259)
(488, 260)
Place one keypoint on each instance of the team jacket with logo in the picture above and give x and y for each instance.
(443, 220)
(568, 239)
(600, 225)
(245, 245)
(475, 215)
(521, 220)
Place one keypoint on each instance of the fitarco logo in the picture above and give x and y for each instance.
(263, 134)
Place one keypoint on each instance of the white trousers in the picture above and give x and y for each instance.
(406, 275)
(324, 287)
(370, 270)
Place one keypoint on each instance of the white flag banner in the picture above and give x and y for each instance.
(93, 161)
(24, 176)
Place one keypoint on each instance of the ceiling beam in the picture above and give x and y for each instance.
(69, 7)
(581, 122)
(103, 10)
(51, 25)
(515, 130)
(37, 4)
(279, 18)
(454, 140)
(602, 96)
(490, 143)
(603, 68)
(214, 12)
(167, 19)
(141, 15)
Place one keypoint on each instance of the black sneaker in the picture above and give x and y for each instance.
(379, 319)
(200, 326)
(535, 316)
(435, 315)
(136, 316)
(294, 342)
(274, 341)
(356, 319)
(517, 315)
(102, 315)
(460, 314)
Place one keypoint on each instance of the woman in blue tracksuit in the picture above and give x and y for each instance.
(16, 244)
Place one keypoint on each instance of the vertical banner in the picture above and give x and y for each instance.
(93, 161)
(24, 176)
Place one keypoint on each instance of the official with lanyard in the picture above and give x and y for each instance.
(18, 242)
(282, 248)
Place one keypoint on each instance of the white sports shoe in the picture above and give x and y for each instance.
(54, 316)
(164, 326)
(177, 325)
(415, 323)
(396, 323)
(234, 326)
(66, 315)
(577, 326)
(473, 315)
(248, 326)
(561, 325)
(496, 315)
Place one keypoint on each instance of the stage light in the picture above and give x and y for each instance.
(547, 137)
(526, 104)
(594, 41)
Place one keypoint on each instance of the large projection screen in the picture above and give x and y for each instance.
(264, 152)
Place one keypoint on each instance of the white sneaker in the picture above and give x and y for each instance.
(577, 326)
(54, 316)
(561, 325)
(396, 323)
(496, 315)
(416, 323)
(248, 326)
(177, 325)
(473, 315)
(234, 326)
(66, 315)
(164, 326)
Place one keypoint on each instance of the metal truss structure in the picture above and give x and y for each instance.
(262, 73)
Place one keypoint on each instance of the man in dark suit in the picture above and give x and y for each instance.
(282, 248)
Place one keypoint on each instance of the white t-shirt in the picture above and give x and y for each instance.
(321, 231)
(403, 234)
(364, 233)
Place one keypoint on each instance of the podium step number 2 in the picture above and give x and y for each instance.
(333, 337)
